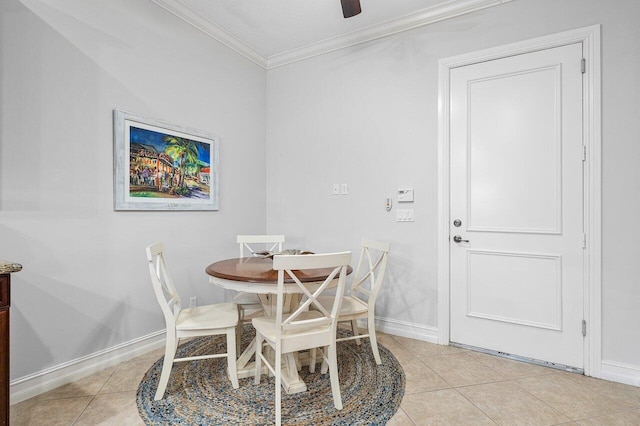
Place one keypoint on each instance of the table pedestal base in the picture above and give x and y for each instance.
(291, 364)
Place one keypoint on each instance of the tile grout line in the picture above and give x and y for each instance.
(479, 409)
(93, 397)
(571, 419)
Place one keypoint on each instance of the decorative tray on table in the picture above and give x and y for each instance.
(269, 254)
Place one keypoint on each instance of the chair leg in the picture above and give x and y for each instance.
(354, 329)
(258, 363)
(238, 339)
(240, 313)
(278, 368)
(325, 362)
(232, 366)
(169, 355)
(239, 329)
(373, 340)
(333, 376)
(312, 360)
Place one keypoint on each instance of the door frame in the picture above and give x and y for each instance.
(592, 178)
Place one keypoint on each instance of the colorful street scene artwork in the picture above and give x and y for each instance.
(163, 165)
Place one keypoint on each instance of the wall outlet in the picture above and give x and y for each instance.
(344, 189)
(193, 302)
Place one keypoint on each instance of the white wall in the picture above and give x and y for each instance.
(367, 116)
(66, 64)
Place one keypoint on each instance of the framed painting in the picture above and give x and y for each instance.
(161, 166)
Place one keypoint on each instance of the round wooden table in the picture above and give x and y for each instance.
(256, 275)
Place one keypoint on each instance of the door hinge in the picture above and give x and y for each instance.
(584, 241)
(583, 65)
(584, 153)
(584, 328)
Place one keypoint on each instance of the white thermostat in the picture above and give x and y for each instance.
(405, 195)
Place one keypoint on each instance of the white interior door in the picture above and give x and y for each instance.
(516, 152)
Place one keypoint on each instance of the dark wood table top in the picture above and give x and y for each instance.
(260, 270)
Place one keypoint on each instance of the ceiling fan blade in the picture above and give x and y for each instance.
(350, 8)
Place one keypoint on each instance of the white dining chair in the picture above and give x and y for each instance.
(253, 245)
(206, 320)
(303, 328)
(360, 302)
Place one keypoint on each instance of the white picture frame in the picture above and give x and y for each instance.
(162, 166)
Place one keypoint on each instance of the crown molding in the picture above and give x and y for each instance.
(421, 18)
(184, 12)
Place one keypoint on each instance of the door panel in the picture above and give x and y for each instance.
(534, 300)
(503, 114)
(516, 185)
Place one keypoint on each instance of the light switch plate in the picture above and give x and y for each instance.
(405, 195)
(404, 215)
(409, 215)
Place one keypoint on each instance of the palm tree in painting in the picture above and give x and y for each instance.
(183, 150)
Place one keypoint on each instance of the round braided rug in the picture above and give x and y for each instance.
(200, 393)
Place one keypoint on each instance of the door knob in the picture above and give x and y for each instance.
(458, 239)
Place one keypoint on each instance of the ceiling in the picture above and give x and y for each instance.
(275, 32)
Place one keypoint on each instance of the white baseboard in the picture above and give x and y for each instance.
(610, 370)
(406, 329)
(43, 381)
(619, 372)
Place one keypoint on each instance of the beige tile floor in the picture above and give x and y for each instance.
(445, 386)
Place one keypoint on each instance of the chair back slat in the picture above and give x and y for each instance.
(370, 271)
(311, 298)
(299, 320)
(249, 242)
(303, 325)
(163, 287)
